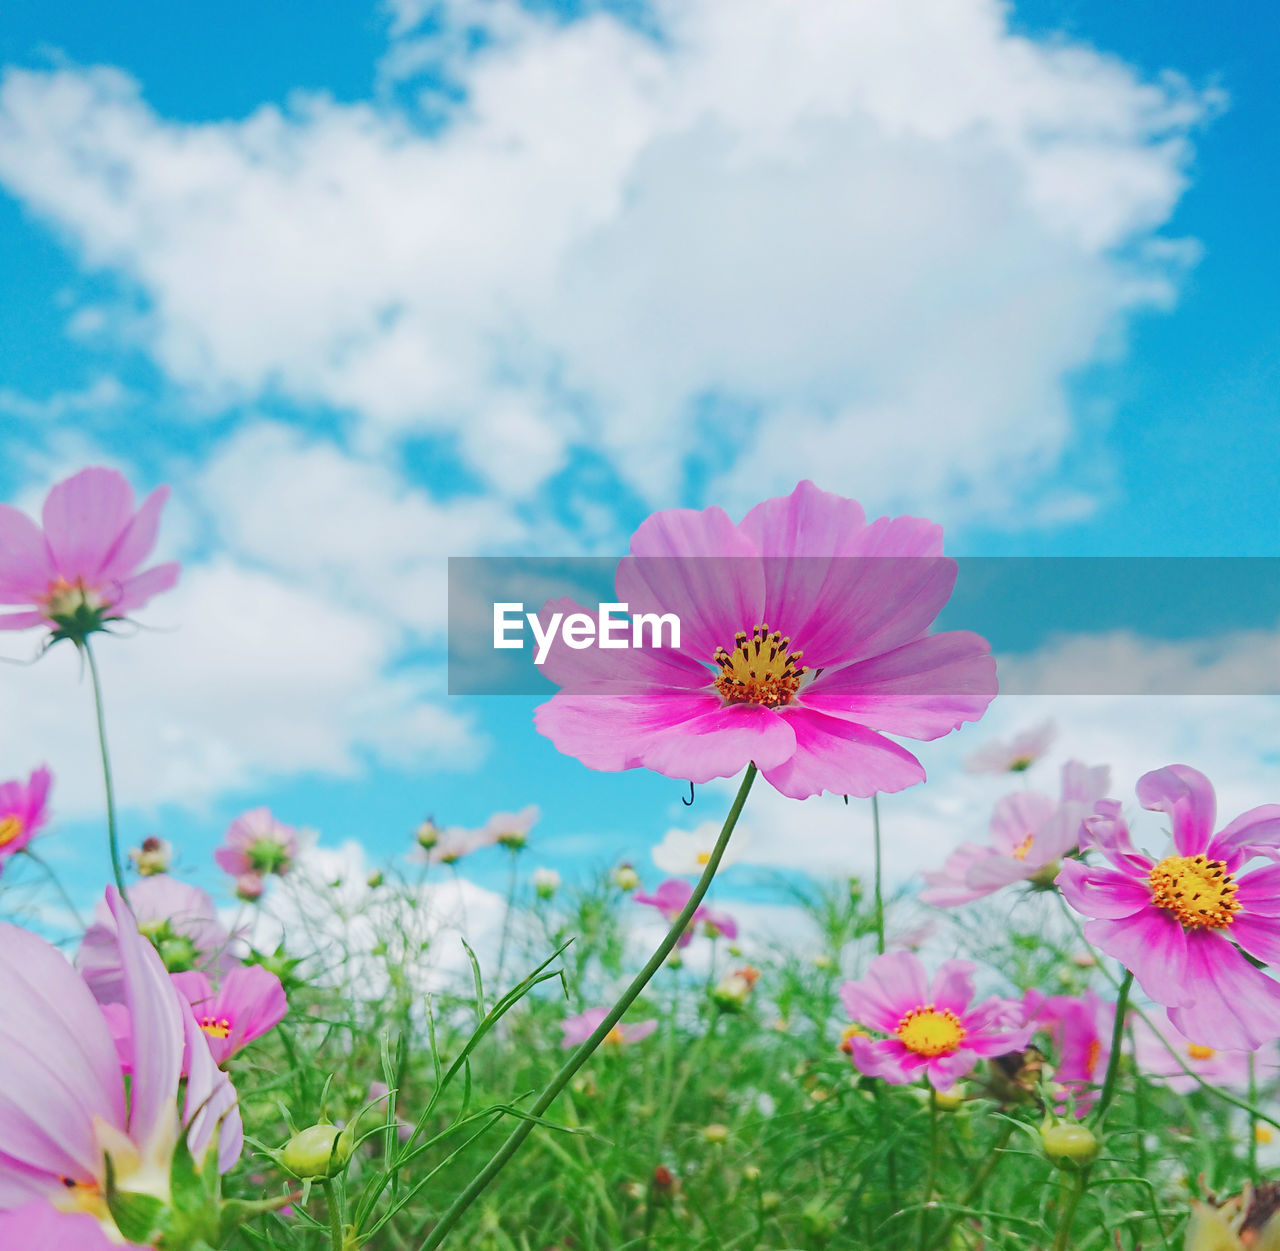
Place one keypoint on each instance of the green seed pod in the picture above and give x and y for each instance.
(1069, 1146)
(319, 1151)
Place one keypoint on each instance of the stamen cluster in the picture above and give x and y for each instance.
(760, 669)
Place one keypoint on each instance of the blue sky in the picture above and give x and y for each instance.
(432, 280)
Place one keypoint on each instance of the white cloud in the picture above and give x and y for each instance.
(887, 233)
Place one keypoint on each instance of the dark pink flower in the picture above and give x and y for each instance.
(82, 569)
(1184, 923)
(931, 1030)
(23, 810)
(1030, 833)
(1228, 1069)
(249, 1002)
(257, 843)
(1079, 1027)
(670, 899)
(803, 642)
(577, 1029)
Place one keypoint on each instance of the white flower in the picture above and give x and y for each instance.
(546, 882)
(687, 851)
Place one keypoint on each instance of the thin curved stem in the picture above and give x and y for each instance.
(112, 836)
(1117, 1042)
(579, 1057)
(879, 888)
(57, 884)
(1078, 1183)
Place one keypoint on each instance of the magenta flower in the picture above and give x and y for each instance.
(1079, 1028)
(1030, 833)
(39, 1226)
(931, 1030)
(180, 920)
(64, 1112)
(1184, 923)
(799, 650)
(1016, 755)
(82, 570)
(23, 810)
(257, 843)
(577, 1029)
(670, 899)
(1228, 1069)
(249, 1002)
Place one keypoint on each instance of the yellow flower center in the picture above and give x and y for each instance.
(1197, 1052)
(10, 828)
(930, 1031)
(614, 1035)
(216, 1027)
(1021, 850)
(759, 670)
(65, 599)
(702, 857)
(1199, 892)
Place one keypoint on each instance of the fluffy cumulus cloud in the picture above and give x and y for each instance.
(879, 237)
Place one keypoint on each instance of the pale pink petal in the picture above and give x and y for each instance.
(949, 887)
(83, 518)
(1258, 935)
(135, 542)
(1108, 831)
(1258, 892)
(1252, 833)
(953, 986)
(1154, 946)
(899, 536)
(840, 757)
(809, 523)
(25, 571)
(1186, 795)
(22, 620)
(997, 871)
(639, 1031)
(1016, 816)
(1102, 892)
(720, 743)
(40, 1226)
(922, 690)
(134, 592)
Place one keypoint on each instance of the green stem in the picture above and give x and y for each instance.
(112, 837)
(506, 918)
(1078, 1183)
(879, 889)
(579, 1057)
(994, 1156)
(1253, 1121)
(57, 885)
(931, 1173)
(335, 1216)
(1117, 1041)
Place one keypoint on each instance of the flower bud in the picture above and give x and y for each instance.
(770, 1201)
(317, 1151)
(817, 1222)
(546, 882)
(1069, 1146)
(734, 988)
(751, 1173)
(154, 856)
(374, 880)
(427, 834)
(249, 887)
(626, 878)
(716, 1134)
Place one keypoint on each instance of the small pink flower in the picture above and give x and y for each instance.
(249, 1002)
(180, 920)
(23, 810)
(454, 843)
(803, 642)
(1185, 924)
(577, 1029)
(82, 570)
(932, 1030)
(1030, 833)
(1228, 1069)
(257, 843)
(511, 829)
(1079, 1028)
(1017, 754)
(249, 887)
(670, 899)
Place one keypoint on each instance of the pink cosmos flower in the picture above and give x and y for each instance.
(23, 810)
(39, 1226)
(799, 650)
(64, 1110)
(257, 843)
(249, 1002)
(577, 1029)
(670, 899)
(1016, 755)
(180, 920)
(82, 570)
(511, 829)
(1228, 1069)
(453, 843)
(1184, 923)
(1029, 833)
(932, 1030)
(1079, 1028)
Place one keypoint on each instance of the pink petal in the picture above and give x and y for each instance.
(669, 570)
(809, 522)
(137, 539)
(1258, 935)
(840, 757)
(1016, 816)
(1102, 892)
(1258, 892)
(22, 620)
(253, 1000)
(946, 1070)
(950, 887)
(921, 690)
(1108, 831)
(25, 571)
(720, 743)
(1256, 832)
(40, 1226)
(1154, 946)
(639, 1031)
(134, 592)
(953, 986)
(997, 871)
(211, 1107)
(83, 518)
(1186, 795)
(1232, 1005)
